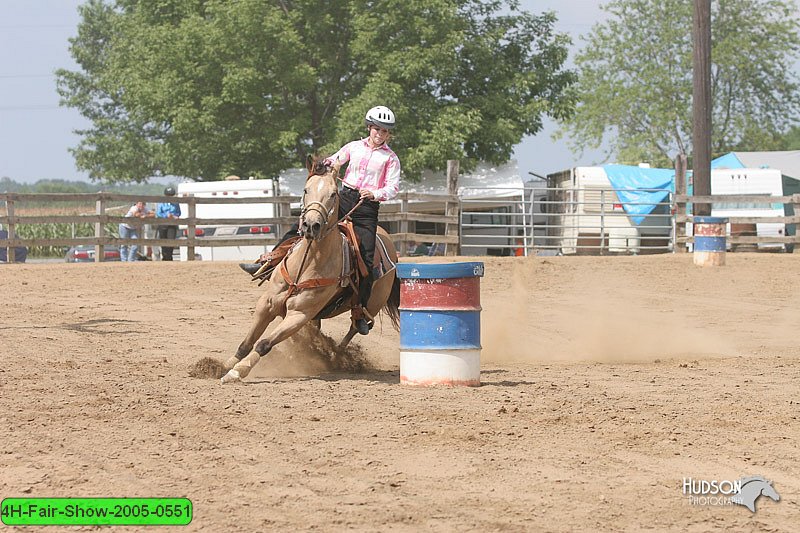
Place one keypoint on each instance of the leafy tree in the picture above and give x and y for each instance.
(635, 78)
(207, 88)
(791, 139)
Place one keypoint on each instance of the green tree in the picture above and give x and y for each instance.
(207, 88)
(791, 139)
(635, 78)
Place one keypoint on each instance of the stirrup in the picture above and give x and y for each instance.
(362, 326)
(362, 320)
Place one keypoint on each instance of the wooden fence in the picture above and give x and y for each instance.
(740, 235)
(410, 207)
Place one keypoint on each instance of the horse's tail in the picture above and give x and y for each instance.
(392, 306)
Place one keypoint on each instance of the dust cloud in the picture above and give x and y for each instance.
(590, 319)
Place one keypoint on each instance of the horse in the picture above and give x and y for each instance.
(312, 282)
(752, 488)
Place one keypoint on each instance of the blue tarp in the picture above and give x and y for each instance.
(727, 161)
(635, 187)
(632, 184)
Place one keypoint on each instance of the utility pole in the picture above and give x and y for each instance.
(701, 104)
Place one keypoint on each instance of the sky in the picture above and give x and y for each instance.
(36, 134)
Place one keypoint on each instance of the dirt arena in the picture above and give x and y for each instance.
(606, 381)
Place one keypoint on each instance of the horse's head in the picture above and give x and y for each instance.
(752, 488)
(320, 199)
(768, 490)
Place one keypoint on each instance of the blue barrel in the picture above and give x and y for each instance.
(440, 327)
(709, 241)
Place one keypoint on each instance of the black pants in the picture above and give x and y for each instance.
(365, 224)
(365, 221)
(167, 232)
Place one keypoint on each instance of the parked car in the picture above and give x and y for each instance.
(84, 253)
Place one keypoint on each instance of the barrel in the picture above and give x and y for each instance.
(709, 241)
(440, 323)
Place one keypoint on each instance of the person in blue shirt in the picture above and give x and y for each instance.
(20, 252)
(168, 210)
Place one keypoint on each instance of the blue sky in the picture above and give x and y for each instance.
(35, 133)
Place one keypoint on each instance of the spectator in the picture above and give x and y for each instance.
(168, 210)
(131, 231)
(420, 249)
(20, 252)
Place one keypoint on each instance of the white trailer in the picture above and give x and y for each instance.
(591, 217)
(750, 181)
(230, 189)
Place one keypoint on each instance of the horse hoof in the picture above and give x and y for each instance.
(231, 377)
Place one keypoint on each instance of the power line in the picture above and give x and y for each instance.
(30, 26)
(19, 76)
(34, 107)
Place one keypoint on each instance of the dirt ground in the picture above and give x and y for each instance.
(605, 383)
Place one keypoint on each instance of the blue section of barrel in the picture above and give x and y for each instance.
(710, 234)
(440, 270)
(434, 325)
(709, 244)
(710, 220)
(440, 330)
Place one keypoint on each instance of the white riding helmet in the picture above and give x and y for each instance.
(380, 116)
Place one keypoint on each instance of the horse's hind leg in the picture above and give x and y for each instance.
(289, 326)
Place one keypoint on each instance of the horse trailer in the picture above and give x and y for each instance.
(585, 215)
(749, 181)
(252, 188)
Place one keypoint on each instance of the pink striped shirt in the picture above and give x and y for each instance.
(376, 170)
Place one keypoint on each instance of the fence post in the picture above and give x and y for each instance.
(796, 205)
(680, 207)
(602, 219)
(451, 208)
(12, 234)
(99, 228)
(284, 210)
(190, 228)
(404, 247)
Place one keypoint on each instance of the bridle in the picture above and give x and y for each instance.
(322, 209)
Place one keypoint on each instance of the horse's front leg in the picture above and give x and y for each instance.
(265, 313)
(289, 326)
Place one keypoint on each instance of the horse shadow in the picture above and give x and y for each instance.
(387, 377)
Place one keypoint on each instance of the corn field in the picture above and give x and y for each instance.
(58, 230)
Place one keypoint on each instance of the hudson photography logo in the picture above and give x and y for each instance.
(744, 491)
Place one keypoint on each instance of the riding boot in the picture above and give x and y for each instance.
(250, 268)
(255, 266)
(364, 290)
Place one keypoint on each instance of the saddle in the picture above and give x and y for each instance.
(353, 269)
(352, 262)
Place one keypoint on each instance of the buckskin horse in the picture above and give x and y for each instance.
(314, 280)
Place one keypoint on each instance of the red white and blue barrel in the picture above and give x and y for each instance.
(709, 241)
(440, 323)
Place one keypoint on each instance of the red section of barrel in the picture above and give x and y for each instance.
(709, 230)
(451, 294)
